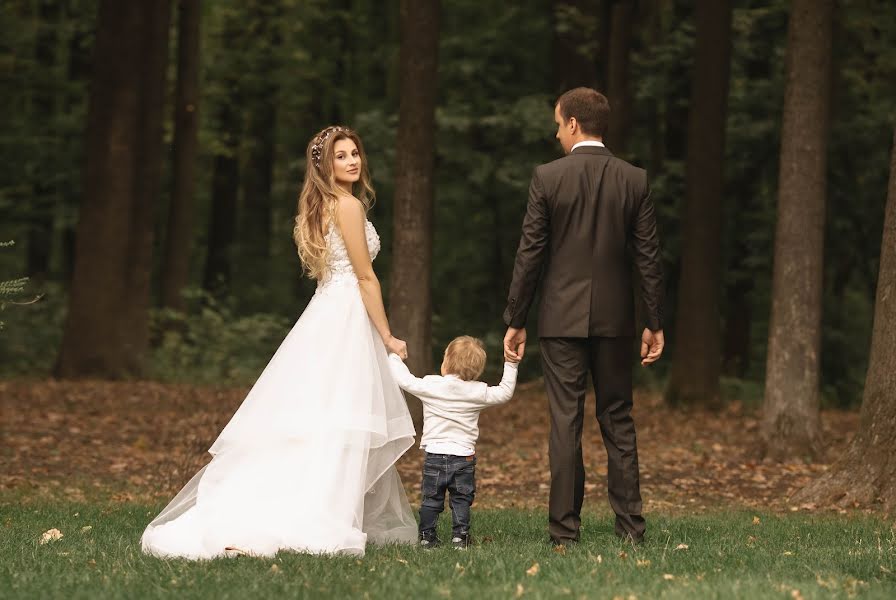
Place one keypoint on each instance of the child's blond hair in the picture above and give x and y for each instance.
(464, 357)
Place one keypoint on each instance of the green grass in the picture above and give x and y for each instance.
(727, 556)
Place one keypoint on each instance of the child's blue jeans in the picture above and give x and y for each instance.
(457, 475)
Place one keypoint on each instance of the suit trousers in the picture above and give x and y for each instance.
(566, 363)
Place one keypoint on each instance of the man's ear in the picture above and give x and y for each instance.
(573, 125)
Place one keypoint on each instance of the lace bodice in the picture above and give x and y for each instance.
(339, 266)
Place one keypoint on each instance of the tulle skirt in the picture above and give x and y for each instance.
(307, 463)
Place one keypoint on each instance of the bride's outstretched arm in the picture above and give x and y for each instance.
(351, 220)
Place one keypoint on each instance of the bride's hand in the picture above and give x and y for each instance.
(397, 346)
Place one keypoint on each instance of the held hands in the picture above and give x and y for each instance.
(652, 344)
(510, 359)
(514, 344)
(397, 346)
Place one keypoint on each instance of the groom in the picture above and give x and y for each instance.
(589, 217)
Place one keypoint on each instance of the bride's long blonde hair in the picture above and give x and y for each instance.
(317, 200)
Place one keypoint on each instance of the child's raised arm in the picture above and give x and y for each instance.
(503, 392)
(404, 377)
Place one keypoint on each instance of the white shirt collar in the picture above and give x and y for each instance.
(588, 143)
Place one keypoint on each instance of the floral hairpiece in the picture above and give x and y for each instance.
(317, 148)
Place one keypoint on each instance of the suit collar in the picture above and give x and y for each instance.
(592, 150)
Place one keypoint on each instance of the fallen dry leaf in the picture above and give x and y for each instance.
(668, 576)
(275, 569)
(520, 590)
(458, 568)
(643, 562)
(51, 535)
(681, 547)
(560, 549)
(623, 554)
(86, 528)
(533, 570)
(756, 520)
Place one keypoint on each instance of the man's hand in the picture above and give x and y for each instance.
(510, 359)
(514, 344)
(652, 344)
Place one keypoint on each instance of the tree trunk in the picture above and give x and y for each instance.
(107, 328)
(225, 186)
(259, 173)
(46, 192)
(675, 108)
(866, 474)
(696, 365)
(654, 34)
(738, 323)
(410, 301)
(623, 13)
(228, 124)
(571, 66)
(176, 261)
(790, 409)
(79, 73)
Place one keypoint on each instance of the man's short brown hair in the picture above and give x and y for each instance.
(465, 357)
(590, 108)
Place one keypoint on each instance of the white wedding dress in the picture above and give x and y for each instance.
(307, 463)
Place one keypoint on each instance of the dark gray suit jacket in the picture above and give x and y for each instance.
(588, 219)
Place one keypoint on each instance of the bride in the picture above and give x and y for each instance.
(307, 463)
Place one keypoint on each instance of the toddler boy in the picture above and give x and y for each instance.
(452, 402)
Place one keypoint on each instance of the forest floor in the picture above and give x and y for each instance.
(86, 465)
(141, 441)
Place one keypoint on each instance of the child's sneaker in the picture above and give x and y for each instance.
(461, 541)
(428, 540)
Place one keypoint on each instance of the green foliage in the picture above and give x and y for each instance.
(213, 345)
(31, 338)
(11, 288)
(717, 555)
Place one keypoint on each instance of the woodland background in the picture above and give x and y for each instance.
(766, 127)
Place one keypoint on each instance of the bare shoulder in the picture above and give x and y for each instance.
(349, 210)
(346, 203)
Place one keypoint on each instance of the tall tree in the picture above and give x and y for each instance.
(107, 328)
(653, 37)
(228, 125)
(410, 299)
(695, 367)
(45, 100)
(78, 76)
(261, 98)
(176, 260)
(622, 18)
(790, 407)
(866, 473)
(573, 65)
